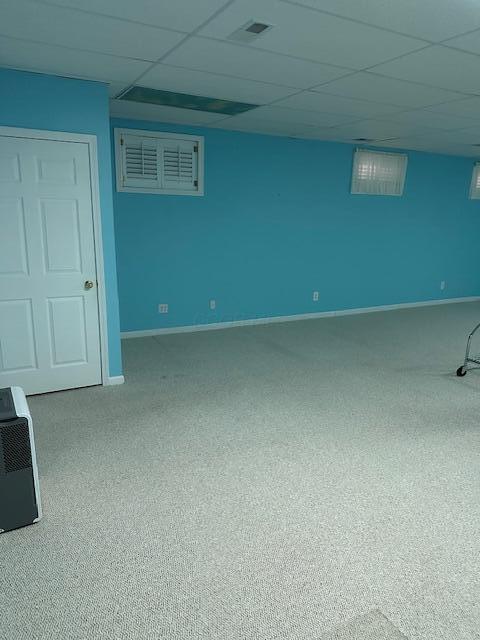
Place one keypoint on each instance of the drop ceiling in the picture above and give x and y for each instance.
(403, 74)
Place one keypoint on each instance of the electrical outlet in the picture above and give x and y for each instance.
(443, 284)
(213, 304)
(315, 296)
(163, 308)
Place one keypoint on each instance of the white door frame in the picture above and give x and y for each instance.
(91, 140)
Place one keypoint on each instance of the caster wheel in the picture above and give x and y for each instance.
(461, 371)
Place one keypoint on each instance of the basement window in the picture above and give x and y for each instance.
(157, 162)
(475, 184)
(378, 173)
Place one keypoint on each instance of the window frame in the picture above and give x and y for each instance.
(354, 178)
(162, 135)
(474, 192)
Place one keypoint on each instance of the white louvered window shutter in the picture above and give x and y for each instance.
(378, 173)
(180, 165)
(158, 162)
(475, 184)
(140, 162)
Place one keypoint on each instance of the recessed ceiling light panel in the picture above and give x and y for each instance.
(186, 101)
(250, 31)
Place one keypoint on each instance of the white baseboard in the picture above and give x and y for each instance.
(213, 326)
(113, 380)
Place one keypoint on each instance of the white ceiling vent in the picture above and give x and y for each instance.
(250, 31)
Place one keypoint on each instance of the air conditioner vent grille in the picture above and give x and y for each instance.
(15, 440)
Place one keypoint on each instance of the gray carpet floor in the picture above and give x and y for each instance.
(373, 626)
(270, 482)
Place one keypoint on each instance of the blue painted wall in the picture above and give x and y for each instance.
(37, 101)
(278, 222)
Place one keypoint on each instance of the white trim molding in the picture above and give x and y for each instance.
(91, 141)
(114, 380)
(213, 326)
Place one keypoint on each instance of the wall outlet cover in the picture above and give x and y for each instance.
(163, 308)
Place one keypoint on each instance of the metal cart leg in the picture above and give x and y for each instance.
(461, 371)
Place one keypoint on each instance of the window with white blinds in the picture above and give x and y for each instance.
(475, 184)
(154, 162)
(378, 173)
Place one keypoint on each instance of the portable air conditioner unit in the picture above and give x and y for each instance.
(19, 487)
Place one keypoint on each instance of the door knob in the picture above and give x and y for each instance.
(88, 284)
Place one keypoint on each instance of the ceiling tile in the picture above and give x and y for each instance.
(431, 146)
(437, 66)
(312, 35)
(433, 20)
(115, 88)
(468, 108)
(182, 15)
(378, 129)
(207, 84)
(337, 104)
(468, 137)
(324, 135)
(462, 136)
(368, 86)
(473, 131)
(245, 62)
(431, 119)
(469, 42)
(252, 125)
(141, 111)
(55, 25)
(68, 62)
(272, 113)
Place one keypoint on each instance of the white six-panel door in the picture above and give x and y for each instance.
(49, 318)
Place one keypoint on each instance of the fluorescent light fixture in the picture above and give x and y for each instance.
(186, 101)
